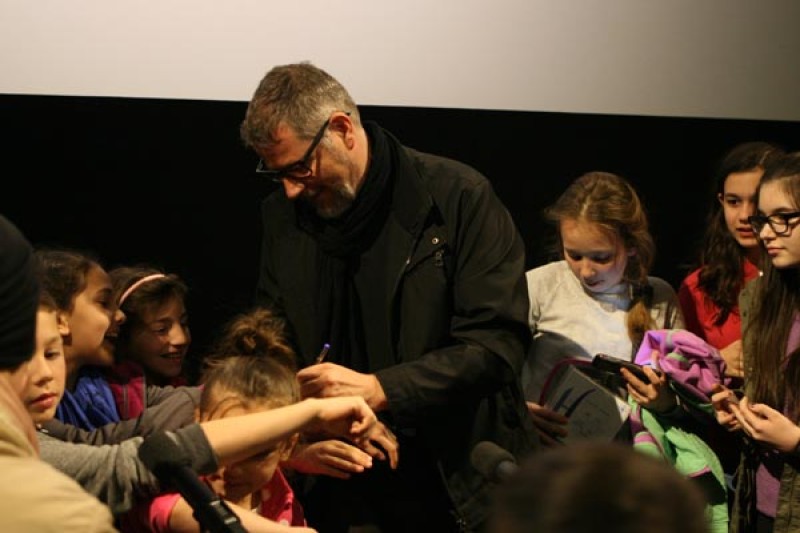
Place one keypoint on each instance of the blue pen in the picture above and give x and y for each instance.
(323, 353)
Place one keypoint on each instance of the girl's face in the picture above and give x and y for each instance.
(92, 324)
(783, 249)
(160, 342)
(46, 370)
(738, 203)
(238, 482)
(596, 258)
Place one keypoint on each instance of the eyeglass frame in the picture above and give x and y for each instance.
(757, 222)
(279, 174)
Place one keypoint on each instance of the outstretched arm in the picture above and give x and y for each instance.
(238, 437)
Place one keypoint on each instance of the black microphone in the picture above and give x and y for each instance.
(495, 463)
(171, 465)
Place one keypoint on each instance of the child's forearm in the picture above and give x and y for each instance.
(235, 438)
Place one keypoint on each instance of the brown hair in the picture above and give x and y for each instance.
(253, 361)
(593, 486)
(611, 202)
(772, 375)
(721, 259)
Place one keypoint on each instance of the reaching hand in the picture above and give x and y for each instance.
(347, 416)
(330, 457)
(548, 423)
(380, 443)
(351, 418)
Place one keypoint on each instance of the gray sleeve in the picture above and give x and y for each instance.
(114, 473)
(175, 409)
(193, 440)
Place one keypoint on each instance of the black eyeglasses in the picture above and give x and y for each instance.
(779, 222)
(299, 170)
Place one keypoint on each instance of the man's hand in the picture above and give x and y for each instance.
(328, 380)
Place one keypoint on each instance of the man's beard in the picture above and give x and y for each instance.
(341, 195)
(341, 198)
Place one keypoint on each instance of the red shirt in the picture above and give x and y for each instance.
(699, 312)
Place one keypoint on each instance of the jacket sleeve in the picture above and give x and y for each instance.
(174, 410)
(38, 498)
(488, 316)
(114, 473)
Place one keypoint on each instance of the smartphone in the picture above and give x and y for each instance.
(612, 364)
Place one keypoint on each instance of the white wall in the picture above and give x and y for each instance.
(697, 58)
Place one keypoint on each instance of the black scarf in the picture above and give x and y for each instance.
(341, 241)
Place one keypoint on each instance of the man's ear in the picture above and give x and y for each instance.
(342, 125)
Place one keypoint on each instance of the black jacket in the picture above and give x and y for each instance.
(455, 321)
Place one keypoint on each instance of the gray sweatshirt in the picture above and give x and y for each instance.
(105, 461)
(114, 473)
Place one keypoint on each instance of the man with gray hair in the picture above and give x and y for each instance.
(411, 269)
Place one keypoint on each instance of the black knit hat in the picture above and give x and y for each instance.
(19, 297)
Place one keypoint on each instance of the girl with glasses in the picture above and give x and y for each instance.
(768, 413)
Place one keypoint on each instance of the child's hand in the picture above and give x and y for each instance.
(725, 402)
(733, 357)
(379, 443)
(548, 423)
(332, 457)
(350, 417)
(766, 425)
(656, 395)
(343, 416)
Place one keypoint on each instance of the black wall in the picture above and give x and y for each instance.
(168, 182)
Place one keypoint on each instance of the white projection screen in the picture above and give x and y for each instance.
(687, 58)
